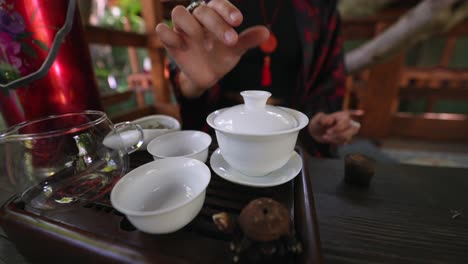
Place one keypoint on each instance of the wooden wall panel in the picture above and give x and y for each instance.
(430, 126)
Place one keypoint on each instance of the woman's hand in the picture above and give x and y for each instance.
(204, 43)
(336, 128)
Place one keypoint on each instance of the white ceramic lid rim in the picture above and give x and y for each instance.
(255, 115)
(300, 125)
(165, 210)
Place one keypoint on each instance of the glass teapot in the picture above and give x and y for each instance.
(65, 160)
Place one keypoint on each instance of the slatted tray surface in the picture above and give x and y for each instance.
(97, 232)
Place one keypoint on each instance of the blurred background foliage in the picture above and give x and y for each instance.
(111, 64)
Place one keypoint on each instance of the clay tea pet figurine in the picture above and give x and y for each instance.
(262, 233)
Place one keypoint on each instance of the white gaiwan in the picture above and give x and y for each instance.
(255, 138)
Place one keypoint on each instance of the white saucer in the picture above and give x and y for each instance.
(284, 174)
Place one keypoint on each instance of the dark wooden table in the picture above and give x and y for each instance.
(404, 216)
(407, 215)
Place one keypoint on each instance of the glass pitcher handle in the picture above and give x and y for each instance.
(130, 132)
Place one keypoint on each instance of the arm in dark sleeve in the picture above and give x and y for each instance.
(327, 83)
(329, 90)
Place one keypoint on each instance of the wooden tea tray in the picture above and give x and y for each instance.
(97, 233)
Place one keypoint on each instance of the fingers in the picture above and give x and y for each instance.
(315, 129)
(227, 11)
(314, 123)
(217, 19)
(344, 135)
(327, 121)
(168, 37)
(252, 37)
(185, 23)
(214, 23)
(342, 122)
(337, 128)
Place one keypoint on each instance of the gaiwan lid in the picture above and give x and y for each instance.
(255, 116)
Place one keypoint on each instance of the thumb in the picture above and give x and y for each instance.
(327, 121)
(314, 123)
(252, 37)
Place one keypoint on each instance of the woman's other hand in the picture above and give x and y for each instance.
(337, 128)
(205, 45)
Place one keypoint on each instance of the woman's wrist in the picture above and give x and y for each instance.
(188, 88)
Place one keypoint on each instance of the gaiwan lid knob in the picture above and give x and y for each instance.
(255, 116)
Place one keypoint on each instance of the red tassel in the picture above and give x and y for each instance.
(266, 73)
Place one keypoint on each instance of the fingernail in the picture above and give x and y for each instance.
(230, 36)
(235, 16)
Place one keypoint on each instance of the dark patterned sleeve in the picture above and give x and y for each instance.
(325, 87)
(329, 84)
